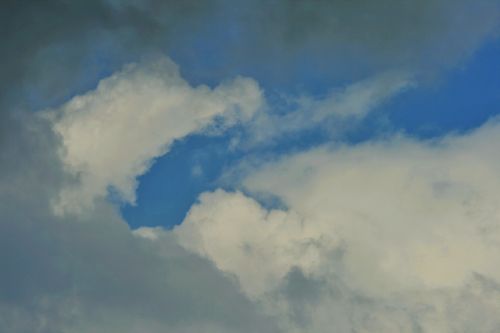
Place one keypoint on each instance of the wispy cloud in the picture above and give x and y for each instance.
(329, 113)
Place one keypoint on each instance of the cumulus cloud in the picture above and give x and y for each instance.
(111, 135)
(245, 239)
(395, 235)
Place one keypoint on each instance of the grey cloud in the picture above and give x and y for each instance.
(326, 35)
(315, 305)
(302, 293)
(56, 47)
(89, 273)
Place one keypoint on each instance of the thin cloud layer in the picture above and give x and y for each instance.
(340, 108)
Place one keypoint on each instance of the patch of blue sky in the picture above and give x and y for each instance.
(171, 186)
(463, 99)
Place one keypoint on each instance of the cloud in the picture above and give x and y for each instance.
(397, 235)
(56, 48)
(422, 36)
(53, 49)
(226, 223)
(333, 113)
(112, 134)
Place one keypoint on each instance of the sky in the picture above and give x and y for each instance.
(271, 166)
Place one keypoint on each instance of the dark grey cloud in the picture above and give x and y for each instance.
(57, 47)
(52, 48)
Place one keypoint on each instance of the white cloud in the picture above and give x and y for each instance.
(112, 134)
(245, 239)
(398, 235)
(357, 99)
(412, 214)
